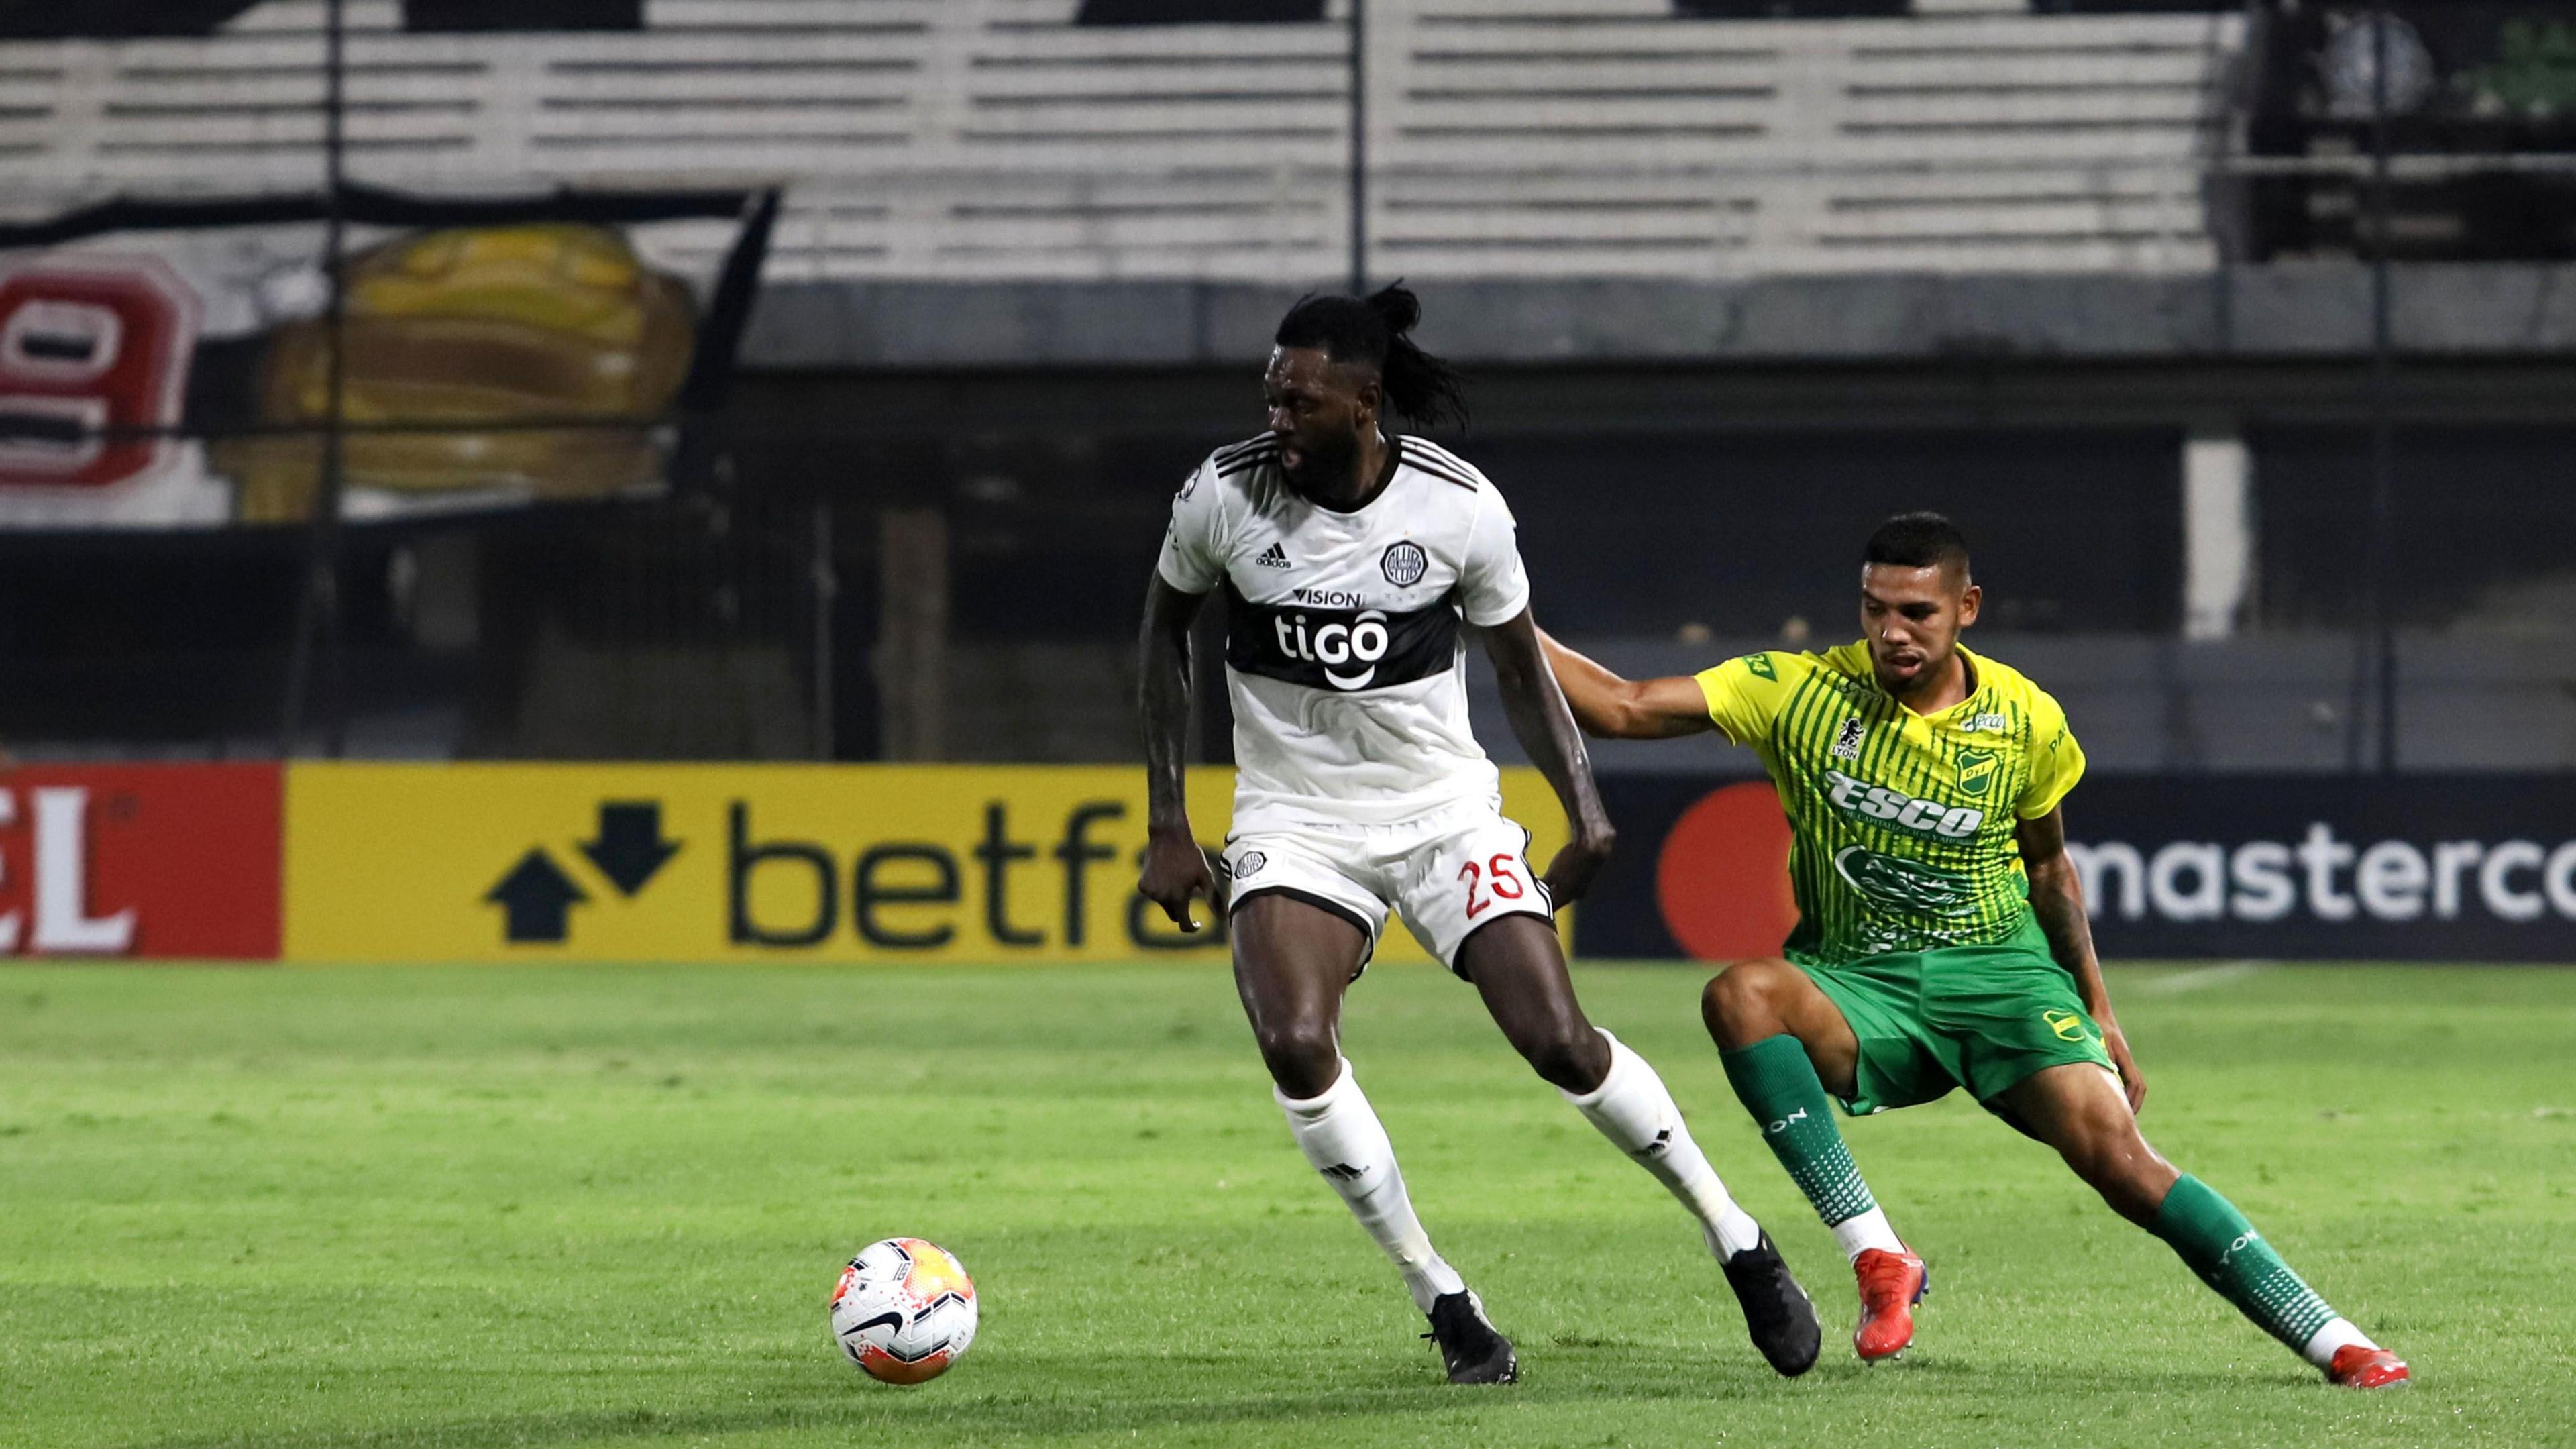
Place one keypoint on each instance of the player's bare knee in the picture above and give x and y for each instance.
(1573, 1058)
(2116, 1162)
(1302, 1056)
(1737, 1004)
(2130, 1189)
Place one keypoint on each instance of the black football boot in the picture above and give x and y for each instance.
(1469, 1345)
(1776, 1310)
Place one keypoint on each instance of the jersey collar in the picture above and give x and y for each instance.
(1853, 661)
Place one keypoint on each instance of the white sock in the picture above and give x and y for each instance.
(1340, 1134)
(1634, 1111)
(2337, 1333)
(1861, 1232)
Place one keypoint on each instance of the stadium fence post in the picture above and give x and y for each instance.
(317, 608)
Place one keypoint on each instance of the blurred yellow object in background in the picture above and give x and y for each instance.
(508, 326)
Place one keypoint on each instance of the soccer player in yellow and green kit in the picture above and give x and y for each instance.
(1941, 938)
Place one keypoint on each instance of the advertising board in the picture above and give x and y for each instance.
(2420, 867)
(931, 863)
(140, 861)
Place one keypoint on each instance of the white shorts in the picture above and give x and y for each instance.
(1447, 873)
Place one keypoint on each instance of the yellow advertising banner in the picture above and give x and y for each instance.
(539, 862)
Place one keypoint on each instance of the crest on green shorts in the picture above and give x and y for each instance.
(1977, 771)
(2067, 1025)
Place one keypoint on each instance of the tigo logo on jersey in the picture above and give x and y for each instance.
(1404, 564)
(1362, 641)
(1976, 771)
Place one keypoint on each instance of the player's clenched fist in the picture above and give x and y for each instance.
(1570, 874)
(1175, 870)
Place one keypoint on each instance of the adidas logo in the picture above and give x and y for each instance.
(1276, 558)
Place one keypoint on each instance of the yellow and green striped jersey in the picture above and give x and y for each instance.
(1903, 824)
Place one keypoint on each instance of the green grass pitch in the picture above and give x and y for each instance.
(382, 1209)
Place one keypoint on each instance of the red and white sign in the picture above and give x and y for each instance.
(94, 356)
(140, 861)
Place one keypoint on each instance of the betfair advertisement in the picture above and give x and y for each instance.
(748, 863)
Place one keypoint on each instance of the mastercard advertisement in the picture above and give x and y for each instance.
(1702, 871)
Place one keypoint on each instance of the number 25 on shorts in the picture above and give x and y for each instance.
(1497, 876)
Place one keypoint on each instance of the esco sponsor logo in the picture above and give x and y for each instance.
(2328, 878)
(1878, 804)
(1336, 646)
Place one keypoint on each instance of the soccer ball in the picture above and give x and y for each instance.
(904, 1311)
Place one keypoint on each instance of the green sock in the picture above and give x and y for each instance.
(1778, 1085)
(2223, 1248)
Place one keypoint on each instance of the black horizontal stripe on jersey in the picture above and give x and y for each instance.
(1437, 468)
(1341, 650)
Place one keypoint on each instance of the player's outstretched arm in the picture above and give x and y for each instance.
(1541, 722)
(1175, 867)
(1625, 709)
(2057, 899)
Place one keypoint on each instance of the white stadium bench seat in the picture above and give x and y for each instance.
(994, 139)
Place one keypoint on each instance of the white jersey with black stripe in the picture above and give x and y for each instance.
(1343, 655)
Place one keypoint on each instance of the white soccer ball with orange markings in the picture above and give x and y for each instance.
(904, 1311)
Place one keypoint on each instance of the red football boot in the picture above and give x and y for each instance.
(1890, 1285)
(2359, 1366)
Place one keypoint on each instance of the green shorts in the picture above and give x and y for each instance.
(1979, 1017)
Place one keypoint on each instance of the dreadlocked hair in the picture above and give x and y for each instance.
(1419, 387)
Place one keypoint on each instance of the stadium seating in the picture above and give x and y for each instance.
(938, 139)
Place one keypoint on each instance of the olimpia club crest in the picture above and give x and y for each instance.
(1977, 771)
(1404, 563)
(1906, 884)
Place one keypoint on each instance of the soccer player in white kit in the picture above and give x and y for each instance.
(1349, 559)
